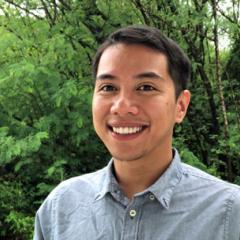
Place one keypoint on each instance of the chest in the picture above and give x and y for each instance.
(109, 220)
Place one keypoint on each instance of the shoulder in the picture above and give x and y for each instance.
(232, 227)
(70, 199)
(220, 197)
(200, 176)
(210, 186)
(80, 190)
(83, 187)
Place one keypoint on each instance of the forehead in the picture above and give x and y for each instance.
(129, 57)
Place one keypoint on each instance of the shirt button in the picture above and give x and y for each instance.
(132, 213)
(151, 197)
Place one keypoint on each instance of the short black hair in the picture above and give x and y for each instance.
(179, 66)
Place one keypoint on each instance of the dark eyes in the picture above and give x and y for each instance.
(108, 88)
(146, 87)
(142, 88)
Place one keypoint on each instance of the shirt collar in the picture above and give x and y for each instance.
(110, 183)
(162, 189)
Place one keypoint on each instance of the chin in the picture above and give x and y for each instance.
(121, 157)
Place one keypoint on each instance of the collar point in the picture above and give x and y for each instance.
(165, 203)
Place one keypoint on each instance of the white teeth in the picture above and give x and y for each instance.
(126, 130)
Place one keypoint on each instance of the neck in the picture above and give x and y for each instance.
(137, 175)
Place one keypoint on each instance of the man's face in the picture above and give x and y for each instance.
(134, 104)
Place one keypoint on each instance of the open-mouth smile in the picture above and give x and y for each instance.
(126, 130)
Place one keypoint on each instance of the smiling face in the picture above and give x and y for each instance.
(134, 104)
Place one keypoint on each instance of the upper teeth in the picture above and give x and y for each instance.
(126, 130)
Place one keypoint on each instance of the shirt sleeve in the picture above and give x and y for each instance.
(38, 234)
(233, 217)
(44, 221)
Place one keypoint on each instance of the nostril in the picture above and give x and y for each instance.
(124, 108)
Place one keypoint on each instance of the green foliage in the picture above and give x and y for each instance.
(15, 220)
(11, 148)
(20, 224)
(46, 132)
(189, 158)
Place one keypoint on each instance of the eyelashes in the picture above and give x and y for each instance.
(111, 88)
(146, 87)
(107, 88)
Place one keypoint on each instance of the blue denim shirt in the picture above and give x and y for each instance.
(183, 204)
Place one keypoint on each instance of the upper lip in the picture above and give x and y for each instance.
(127, 124)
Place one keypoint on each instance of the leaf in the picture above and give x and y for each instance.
(51, 170)
(80, 122)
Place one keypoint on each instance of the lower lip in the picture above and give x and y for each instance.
(127, 137)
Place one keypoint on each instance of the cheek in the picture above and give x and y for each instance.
(162, 111)
(99, 108)
(95, 110)
(97, 117)
(156, 106)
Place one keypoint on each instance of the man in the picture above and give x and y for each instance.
(145, 192)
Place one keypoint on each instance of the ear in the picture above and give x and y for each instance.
(182, 105)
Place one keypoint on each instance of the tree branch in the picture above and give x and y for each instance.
(226, 16)
(24, 9)
(140, 7)
(48, 15)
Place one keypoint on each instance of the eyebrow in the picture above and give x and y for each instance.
(106, 76)
(149, 75)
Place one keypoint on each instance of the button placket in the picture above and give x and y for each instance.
(151, 197)
(132, 218)
(132, 213)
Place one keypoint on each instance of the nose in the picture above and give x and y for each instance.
(123, 105)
